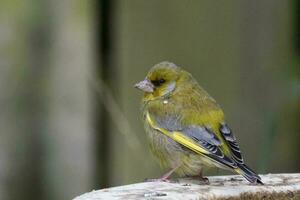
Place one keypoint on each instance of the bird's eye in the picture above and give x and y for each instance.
(161, 81)
(158, 82)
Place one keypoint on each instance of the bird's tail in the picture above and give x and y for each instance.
(249, 174)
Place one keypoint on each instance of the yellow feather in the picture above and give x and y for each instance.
(185, 141)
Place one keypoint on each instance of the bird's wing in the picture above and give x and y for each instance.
(221, 148)
(199, 139)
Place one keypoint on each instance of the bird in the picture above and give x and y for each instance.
(186, 127)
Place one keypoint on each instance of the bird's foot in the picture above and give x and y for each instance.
(200, 178)
(204, 179)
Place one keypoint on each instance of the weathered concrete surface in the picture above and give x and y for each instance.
(277, 186)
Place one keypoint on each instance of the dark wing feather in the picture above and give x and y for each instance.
(231, 141)
(202, 134)
(249, 174)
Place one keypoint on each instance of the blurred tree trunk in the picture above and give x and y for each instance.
(44, 119)
(103, 76)
(69, 163)
(24, 90)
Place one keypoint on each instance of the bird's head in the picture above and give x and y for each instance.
(161, 80)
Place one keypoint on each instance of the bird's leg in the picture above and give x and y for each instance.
(165, 177)
(202, 178)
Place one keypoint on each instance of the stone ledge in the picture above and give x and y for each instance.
(277, 186)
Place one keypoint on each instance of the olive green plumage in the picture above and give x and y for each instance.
(186, 127)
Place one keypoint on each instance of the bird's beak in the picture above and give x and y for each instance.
(145, 86)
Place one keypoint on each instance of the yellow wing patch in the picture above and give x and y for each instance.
(178, 137)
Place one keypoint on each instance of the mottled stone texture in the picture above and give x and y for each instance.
(276, 186)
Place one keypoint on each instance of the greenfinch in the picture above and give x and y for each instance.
(186, 127)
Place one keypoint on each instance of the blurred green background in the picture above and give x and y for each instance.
(69, 116)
